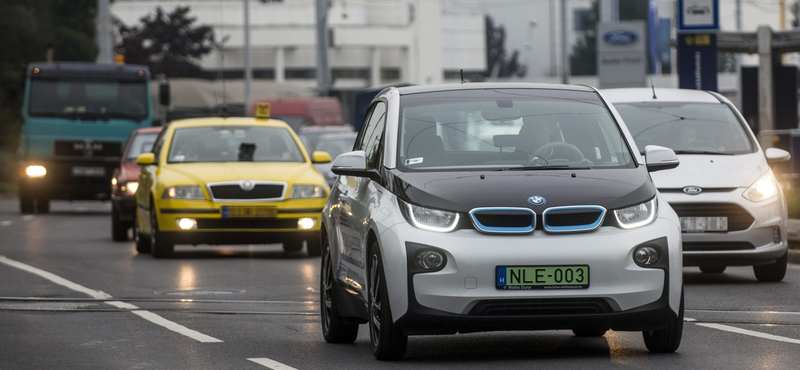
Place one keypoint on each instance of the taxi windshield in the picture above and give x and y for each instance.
(233, 144)
(509, 129)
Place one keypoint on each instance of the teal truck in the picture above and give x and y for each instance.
(76, 119)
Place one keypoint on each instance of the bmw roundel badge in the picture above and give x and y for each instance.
(537, 201)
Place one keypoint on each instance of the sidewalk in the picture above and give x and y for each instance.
(794, 240)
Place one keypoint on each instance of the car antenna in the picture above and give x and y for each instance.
(650, 75)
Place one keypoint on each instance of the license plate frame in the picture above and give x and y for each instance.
(704, 224)
(249, 211)
(88, 171)
(541, 277)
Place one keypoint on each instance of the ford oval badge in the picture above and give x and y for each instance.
(620, 37)
(537, 201)
(692, 190)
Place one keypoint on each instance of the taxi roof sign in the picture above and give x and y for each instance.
(262, 110)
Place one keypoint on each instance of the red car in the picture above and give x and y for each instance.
(126, 181)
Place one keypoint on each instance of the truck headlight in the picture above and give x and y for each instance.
(636, 216)
(307, 191)
(765, 187)
(428, 218)
(35, 171)
(183, 192)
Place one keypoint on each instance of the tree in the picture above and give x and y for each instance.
(496, 62)
(167, 43)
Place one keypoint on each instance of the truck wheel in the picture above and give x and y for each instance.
(25, 204)
(119, 228)
(43, 205)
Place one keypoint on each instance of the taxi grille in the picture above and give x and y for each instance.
(536, 307)
(234, 191)
(247, 223)
(738, 218)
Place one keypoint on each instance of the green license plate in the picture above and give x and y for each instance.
(542, 277)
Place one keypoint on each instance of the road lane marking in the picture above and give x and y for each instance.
(272, 364)
(6, 223)
(97, 294)
(751, 333)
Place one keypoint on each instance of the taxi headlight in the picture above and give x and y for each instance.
(636, 216)
(428, 218)
(35, 171)
(307, 191)
(183, 192)
(765, 187)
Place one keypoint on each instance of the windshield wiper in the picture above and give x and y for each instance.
(550, 167)
(702, 152)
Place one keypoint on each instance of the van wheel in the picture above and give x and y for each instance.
(713, 269)
(772, 272)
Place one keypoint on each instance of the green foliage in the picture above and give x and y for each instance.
(167, 43)
(497, 62)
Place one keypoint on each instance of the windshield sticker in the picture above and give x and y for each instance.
(411, 161)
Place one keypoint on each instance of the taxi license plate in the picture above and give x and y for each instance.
(248, 211)
(89, 171)
(701, 224)
(542, 277)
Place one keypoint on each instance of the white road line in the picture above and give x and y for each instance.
(751, 333)
(147, 315)
(6, 223)
(272, 364)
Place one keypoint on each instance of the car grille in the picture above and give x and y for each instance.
(716, 246)
(503, 220)
(535, 307)
(247, 223)
(573, 219)
(235, 192)
(738, 218)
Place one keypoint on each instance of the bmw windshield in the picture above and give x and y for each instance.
(508, 129)
(686, 128)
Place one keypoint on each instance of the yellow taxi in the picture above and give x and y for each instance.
(231, 180)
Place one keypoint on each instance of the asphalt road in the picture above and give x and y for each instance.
(71, 298)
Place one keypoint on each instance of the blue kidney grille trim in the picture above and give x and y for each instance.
(499, 214)
(620, 37)
(580, 225)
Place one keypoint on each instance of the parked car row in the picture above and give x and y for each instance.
(479, 207)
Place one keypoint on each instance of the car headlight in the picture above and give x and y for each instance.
(636, 216)
(765, 187)
(129, 188)
(307, 191)
(183, 192)
(429, 219)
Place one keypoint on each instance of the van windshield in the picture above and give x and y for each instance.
(686, 128)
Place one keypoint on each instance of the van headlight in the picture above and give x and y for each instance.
(764, 188)
(428, 218)
(184, 192)
(636, 216)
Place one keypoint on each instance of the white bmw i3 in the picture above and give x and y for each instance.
(486, 207)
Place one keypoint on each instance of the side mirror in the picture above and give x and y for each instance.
(354, 164)
(776, 155)
(145, 159)
(320, 157)
(660, 158)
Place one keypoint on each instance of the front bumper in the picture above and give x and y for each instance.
(462, 297)
(62, 182)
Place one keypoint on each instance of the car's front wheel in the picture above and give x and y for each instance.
(388, 341)
(161, 247)
(666, 340)
(772, 272)
(334, 328)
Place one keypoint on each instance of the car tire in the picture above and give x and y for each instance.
(314, 247)
(666, 340)
(160, 246)
(293, 246)
(713, 269)
(589, 332)
(119, 228)
(388, 340)
(334, 328)
(772, 272)
(42, 205)
(25, 203)
(142, 241)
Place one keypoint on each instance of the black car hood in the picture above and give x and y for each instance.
(463, 191)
